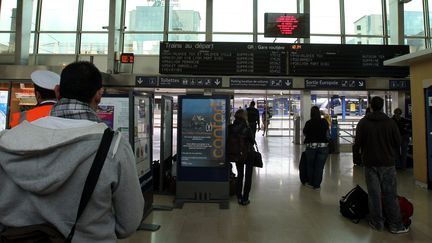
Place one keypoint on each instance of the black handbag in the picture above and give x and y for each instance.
(257, 158)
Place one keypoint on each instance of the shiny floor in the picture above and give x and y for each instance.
(282, 210)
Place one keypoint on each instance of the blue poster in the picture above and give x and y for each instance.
(203, 131)
(4, 96)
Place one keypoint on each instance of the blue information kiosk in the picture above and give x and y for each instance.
(202, 171)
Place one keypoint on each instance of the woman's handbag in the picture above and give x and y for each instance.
(257, 158)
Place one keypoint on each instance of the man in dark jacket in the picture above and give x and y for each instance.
(253, 118)
(404, 126)
(378, 138)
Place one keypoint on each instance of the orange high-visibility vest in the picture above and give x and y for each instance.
(30, 115)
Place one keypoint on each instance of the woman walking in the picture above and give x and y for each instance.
(316, 132)
(240, 131)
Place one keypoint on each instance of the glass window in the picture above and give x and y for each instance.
(51, 43)
(415, 44)
(325, 39)
(187, 15)
(95, 15)
(33, 24)
(364, 40)
(142, 43)
(273, 6)
(233, 38)
(365, 13)
(144, 15)
(261, 38)
(7, 43)
(413, 17)
(94, 43)
(232, 16)
(186, 37)
(7, 14)
(59, 15)
(324, 17)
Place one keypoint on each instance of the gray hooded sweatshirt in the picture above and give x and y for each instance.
(42, 175)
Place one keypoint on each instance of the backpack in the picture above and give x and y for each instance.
(406, 209)
(354, 205)
(237, 147)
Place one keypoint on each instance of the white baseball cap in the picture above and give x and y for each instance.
(45, 79)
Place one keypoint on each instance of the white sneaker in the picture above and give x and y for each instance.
(400, 231)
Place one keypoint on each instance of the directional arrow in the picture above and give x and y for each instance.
(361, 83)
(288, 83)
(217, 82)
(140, 80)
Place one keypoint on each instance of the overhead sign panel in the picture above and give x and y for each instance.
(261, 83)
(190, 82)
(403, 84)
(145, 81)
(339, 84)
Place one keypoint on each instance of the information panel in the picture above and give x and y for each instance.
(403, 84)
(190, 82)
(339, 84)
(261, 83)
(202, 132)
(227, 58)
(345, 60)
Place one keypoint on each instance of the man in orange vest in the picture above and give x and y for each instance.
(44, 83)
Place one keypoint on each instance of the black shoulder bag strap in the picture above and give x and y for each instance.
(93, 176)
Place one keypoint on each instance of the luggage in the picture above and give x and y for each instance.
(356, 155)
(303, 168)
(406, 209)
(354, 205)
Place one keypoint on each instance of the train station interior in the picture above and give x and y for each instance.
(162, 61)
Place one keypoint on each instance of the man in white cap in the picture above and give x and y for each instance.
(44, 83)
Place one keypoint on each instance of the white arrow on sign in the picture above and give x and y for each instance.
(361, 83)
(140, 80)
(217, 82)
(288, 83)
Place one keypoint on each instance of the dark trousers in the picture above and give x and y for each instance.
(315, 160)
(401, 161)
(382, 190)
(243, 192)
(253, 127)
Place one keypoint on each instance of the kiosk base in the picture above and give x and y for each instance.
(202, 192)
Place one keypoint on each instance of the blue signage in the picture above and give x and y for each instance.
(339, 84)
(403, 84)
(145, 81)
(261, 83)
(190, 82)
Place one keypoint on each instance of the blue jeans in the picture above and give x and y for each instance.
(381, 185)
(315, 160)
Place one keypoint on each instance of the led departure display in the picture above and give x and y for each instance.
(288, 25)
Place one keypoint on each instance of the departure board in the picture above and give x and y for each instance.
(345, 60)
(279, 59)
(223, 58)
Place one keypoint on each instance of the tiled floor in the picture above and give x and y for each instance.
(282, 210)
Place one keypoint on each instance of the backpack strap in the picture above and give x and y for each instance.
(93, 176)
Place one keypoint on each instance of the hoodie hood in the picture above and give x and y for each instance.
(40, 160)
(377, 116)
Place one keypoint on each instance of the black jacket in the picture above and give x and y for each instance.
(316, 131)
(253, 117)
(378, 138)
(240, 141)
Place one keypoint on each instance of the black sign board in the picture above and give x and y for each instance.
(145, 81)
(190, 82)
(338, 84)
(345, 60)
(223, 58)
(261, 83)
(399, 84)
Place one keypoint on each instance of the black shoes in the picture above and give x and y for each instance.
(243, 202)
